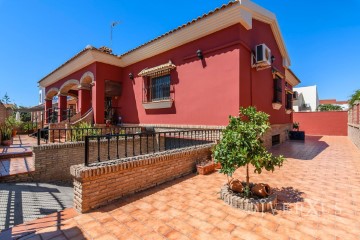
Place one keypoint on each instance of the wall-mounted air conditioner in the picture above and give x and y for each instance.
(262, 56)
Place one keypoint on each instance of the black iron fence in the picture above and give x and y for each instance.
(62, 135)
(53, 113)
(116, 146)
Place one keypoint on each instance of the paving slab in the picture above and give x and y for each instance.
(318, 190)
(22, 202)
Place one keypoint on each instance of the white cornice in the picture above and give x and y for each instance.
(264, 15)
(291, 78)
(88, 57)
(201, 28)
(243, 12)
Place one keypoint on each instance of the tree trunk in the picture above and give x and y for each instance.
(247, 176)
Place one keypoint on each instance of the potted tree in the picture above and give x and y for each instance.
(296, 134)
(241, 146)
(5, 132)
(12, 123)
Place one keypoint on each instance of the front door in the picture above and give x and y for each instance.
(108, 108)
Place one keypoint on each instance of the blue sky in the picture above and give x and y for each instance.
(36, 36)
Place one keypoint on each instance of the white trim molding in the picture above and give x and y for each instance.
(240, 11)
(276, 106)
(69, 83)
(291, 78)
(87, 75)
(85, 59)
(158, 104)
(49, 95)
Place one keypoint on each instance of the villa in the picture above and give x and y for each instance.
(194, 76)
(139, 145)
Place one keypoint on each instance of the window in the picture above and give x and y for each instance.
(288, 100)
(160, 88)
(277, 90)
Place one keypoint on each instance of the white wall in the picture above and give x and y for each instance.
(306, 95)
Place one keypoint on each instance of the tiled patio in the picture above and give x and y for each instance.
(17, 158)
(318, 188)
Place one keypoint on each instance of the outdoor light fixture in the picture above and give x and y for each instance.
(272, 59)
(131, 76)
(199, 54)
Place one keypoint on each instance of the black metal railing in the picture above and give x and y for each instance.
(53, 113)
(116, 146)
(62, 135)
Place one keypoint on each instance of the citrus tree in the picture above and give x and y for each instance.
(241, 145)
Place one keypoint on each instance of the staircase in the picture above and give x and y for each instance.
(87, 117)
(16, 161)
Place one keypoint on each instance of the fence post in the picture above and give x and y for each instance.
(86, 150)
(38, 136)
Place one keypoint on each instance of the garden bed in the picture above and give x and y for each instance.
(254, 204)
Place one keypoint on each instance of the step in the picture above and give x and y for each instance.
(12, 168)
(15, 155)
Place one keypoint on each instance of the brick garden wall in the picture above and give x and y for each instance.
(53, 161)
(332, 123)
(102, 183)
(354, 124)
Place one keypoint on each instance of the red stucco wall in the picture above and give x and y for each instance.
(323, 123)
(207, 92)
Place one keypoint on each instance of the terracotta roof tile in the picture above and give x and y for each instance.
(101, 49)
(232, 2)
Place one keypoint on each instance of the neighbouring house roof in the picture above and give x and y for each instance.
(332, 101)
(236, 11)
(9, 105)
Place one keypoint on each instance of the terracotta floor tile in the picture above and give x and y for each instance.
(175, 235)
(106, 237)
(318, 191)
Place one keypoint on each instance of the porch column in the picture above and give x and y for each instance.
(48, 109)
(84, 100)
(62, 105)
(98, 101)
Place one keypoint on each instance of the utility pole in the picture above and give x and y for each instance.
(112, 25)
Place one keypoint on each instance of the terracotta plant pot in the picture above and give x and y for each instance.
(217, 165)
(13, 132)
(261, 190)
(204, 169)
(6, 143)
(236, 186)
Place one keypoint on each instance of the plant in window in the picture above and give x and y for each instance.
(241, 145)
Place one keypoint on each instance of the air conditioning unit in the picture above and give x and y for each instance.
(262, 56)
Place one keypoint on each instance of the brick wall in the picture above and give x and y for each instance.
(102, 183)
(354, 124)
(354, 134)
(281, 129)
(3, 113)
(53, 161)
